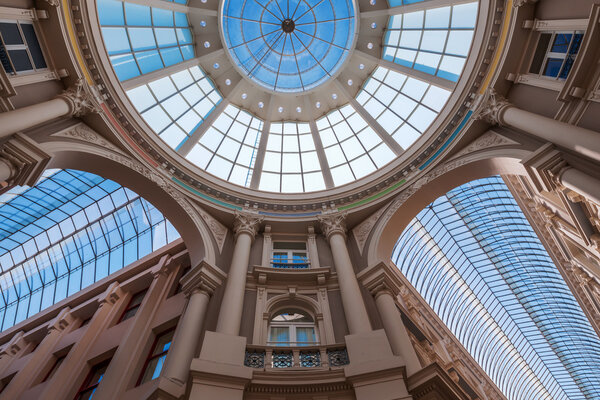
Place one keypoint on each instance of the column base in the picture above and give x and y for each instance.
(219, 372)
(374, 372)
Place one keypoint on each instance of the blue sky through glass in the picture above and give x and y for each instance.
(300, 56)
(68, 231)
(475, 259)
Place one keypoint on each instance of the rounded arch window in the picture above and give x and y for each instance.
(292, 327)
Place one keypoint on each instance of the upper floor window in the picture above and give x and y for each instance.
(134, 304)
(92, 381)
(555, 53)
(292, 328)
(156, 359)
(290, 255)
(20, 50)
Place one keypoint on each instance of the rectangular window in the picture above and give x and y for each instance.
(555, 54)
(92, 381)
(134, 304)
(157, 356)
(20, 50)
(290, 255)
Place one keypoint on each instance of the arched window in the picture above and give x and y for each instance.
(292, 327)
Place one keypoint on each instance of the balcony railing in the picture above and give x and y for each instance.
(290, 263)
(276, 357)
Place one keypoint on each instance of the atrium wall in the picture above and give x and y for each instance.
(214, 295)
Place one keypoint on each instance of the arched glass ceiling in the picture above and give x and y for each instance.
(435, 41)
(141, 39)
(68, 231)
(476, 260)
(288, 46)
(392, 109)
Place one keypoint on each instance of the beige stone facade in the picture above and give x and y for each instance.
(216, 291)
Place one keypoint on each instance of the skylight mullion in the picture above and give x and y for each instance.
(314, 132)
(195, 136)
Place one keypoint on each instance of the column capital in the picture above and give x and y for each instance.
(246, 222)
(25, 159)
(111, 295)
(202, 278)
(332, 224)
(379, 279)
(81, 98)
(61, 321)
(490, 107)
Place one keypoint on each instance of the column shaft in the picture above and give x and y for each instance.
(183, 348)
(396, 332)
(230, 315)
(581, 183)
(30, 116)
(354, 306)
(580, 140)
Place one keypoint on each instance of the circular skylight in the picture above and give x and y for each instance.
(288, 45)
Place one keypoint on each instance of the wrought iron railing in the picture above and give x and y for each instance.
(276, 357)
(290, 263)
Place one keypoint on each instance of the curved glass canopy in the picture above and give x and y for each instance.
(68, 231)
(473, 256)
(288, 45)
(199, 112)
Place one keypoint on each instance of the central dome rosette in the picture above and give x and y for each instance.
(288, 46)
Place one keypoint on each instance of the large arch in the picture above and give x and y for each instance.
(434, 184)
(116, 166)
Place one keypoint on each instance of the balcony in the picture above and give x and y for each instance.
(302, 357)
(291, 263)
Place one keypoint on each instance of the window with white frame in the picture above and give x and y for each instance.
(20, 49)
(292, 328)
(555, 53)
(290, 255)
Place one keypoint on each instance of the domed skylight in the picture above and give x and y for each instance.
(288, 45)
(235, 92)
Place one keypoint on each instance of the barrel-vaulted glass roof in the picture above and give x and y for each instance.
(68, 231)
(289, 45)
(475, 259)
(250, 131)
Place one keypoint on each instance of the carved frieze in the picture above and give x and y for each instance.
(490, 107)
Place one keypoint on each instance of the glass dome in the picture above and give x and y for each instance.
(291, 96)
(288, 45)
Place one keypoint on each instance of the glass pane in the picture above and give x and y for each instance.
(280, 335)
(553, 66)
(561, 42)
(33, 45)
(10, 33)
(305, 336)
(153, 368)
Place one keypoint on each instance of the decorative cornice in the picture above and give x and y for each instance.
(246, 222)
(332, 224)
(81, 99)
(26, 160)
(489, 139)
(203, 277)
(490, 106)
(361, 231)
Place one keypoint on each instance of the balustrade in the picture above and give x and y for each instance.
(276, 357)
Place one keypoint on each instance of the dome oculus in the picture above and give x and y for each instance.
(288, 45)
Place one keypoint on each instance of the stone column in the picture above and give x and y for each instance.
(73, 370)
(131, 349)
(75, 101)
(230, 315)
(580, 182)
(198, 285)
(334, 228)
(384, 286)
(24, 379)
(496, 109)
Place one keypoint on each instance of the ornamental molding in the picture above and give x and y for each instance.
(203, 278)
(246, 222)
(361, 231)
(520, 3)
(82, 99)
(84, 133)
(26, 160)
(334, 223)
(490, 106)
(486, 141)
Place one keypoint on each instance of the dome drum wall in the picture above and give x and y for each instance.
(392, 175)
